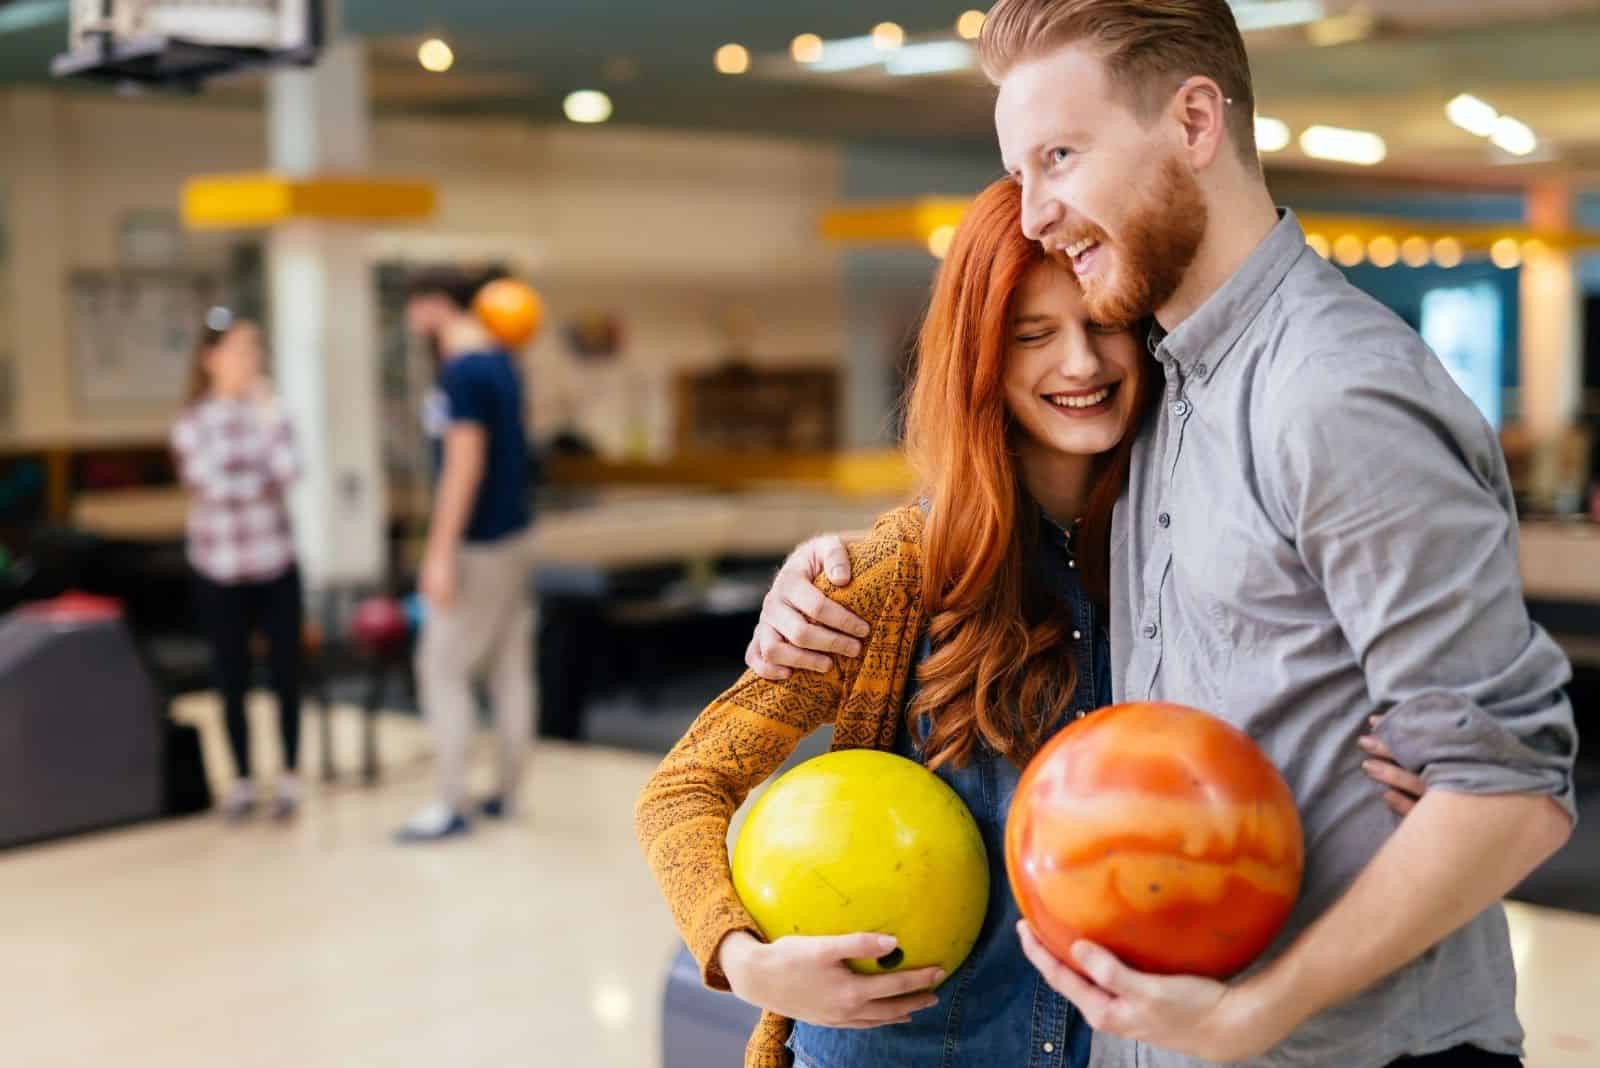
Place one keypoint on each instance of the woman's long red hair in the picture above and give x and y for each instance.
(1002, 669)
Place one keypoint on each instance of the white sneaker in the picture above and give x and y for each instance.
(436, 821)
(290, 793)
(241, 801)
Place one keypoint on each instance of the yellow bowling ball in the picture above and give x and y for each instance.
(863, 841)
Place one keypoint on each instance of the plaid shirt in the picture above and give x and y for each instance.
(237, 459)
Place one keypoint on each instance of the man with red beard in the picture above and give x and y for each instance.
(1318, 524)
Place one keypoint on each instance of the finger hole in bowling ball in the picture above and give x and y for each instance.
(892, 959)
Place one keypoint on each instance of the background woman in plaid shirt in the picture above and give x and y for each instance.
(237, 455)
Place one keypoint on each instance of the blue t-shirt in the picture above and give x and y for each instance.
(485, 388)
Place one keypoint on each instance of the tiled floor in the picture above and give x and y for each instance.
(320, 945)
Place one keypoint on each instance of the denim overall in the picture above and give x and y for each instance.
(995, 1011)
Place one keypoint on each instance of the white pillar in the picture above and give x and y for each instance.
(324, 324)
(1551, 305)
(1551, 343)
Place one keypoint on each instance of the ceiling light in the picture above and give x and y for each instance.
(1349, 251)
(935, 57)
(1506, 253)
(1447, 252)
(436, 56)
(1341, 29)
(849, 53)
(1514, 136)
(807, 48)
(1319, 245)
(733, 59)
(1383, 251)
(939, 240)
(1272, 135)
(587, 106)
(1414, 251)
(888, 36)
(1471, 114)
(970, 24)
(1360, 147)
(1275, 14)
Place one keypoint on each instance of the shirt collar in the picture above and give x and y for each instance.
(1206, 336)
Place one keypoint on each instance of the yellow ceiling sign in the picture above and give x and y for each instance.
(246, 201)
(908, 222)
(913, 222)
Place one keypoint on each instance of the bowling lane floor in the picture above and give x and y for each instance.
(190, 944)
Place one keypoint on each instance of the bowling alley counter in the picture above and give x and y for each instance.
(625, 527)
(632, 564)
(613, 529)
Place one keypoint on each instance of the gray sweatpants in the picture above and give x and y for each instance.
(487, 631)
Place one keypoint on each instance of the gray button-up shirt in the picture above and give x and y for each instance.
(1319, 526)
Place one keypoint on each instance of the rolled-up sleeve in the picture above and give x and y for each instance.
(1400, 505)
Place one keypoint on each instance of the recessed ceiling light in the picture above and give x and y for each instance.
(1514, 136)
(1471, 114)
(1414, 251)
(1349, 251)
(587, 106)
(1275, 14)
(1343, 29)
(930, 57)
(436, 56)
(1272, 135)
(1360, 147)
(733, 59)
(807, 48)
(1506, 253)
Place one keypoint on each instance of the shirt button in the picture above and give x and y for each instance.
(1164, 520)
(1072, 563)
(1149, 630)
(1201, 370)
(1181, 409)
(1049, 1047)
(1077, 635)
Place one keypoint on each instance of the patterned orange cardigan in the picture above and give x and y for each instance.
(682, 816)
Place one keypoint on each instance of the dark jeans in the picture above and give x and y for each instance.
(1460, 1057)
(230, 615)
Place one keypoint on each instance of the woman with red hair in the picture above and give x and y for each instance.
(987, 606)
(987, 600)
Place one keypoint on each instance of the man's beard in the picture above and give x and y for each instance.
(1160, 239)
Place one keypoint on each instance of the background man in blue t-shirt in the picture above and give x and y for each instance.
(476, 568)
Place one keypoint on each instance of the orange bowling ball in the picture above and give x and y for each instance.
(1159, 832)
(511, 310)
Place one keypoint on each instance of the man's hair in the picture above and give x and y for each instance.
(451, 283)
(1149, 46)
